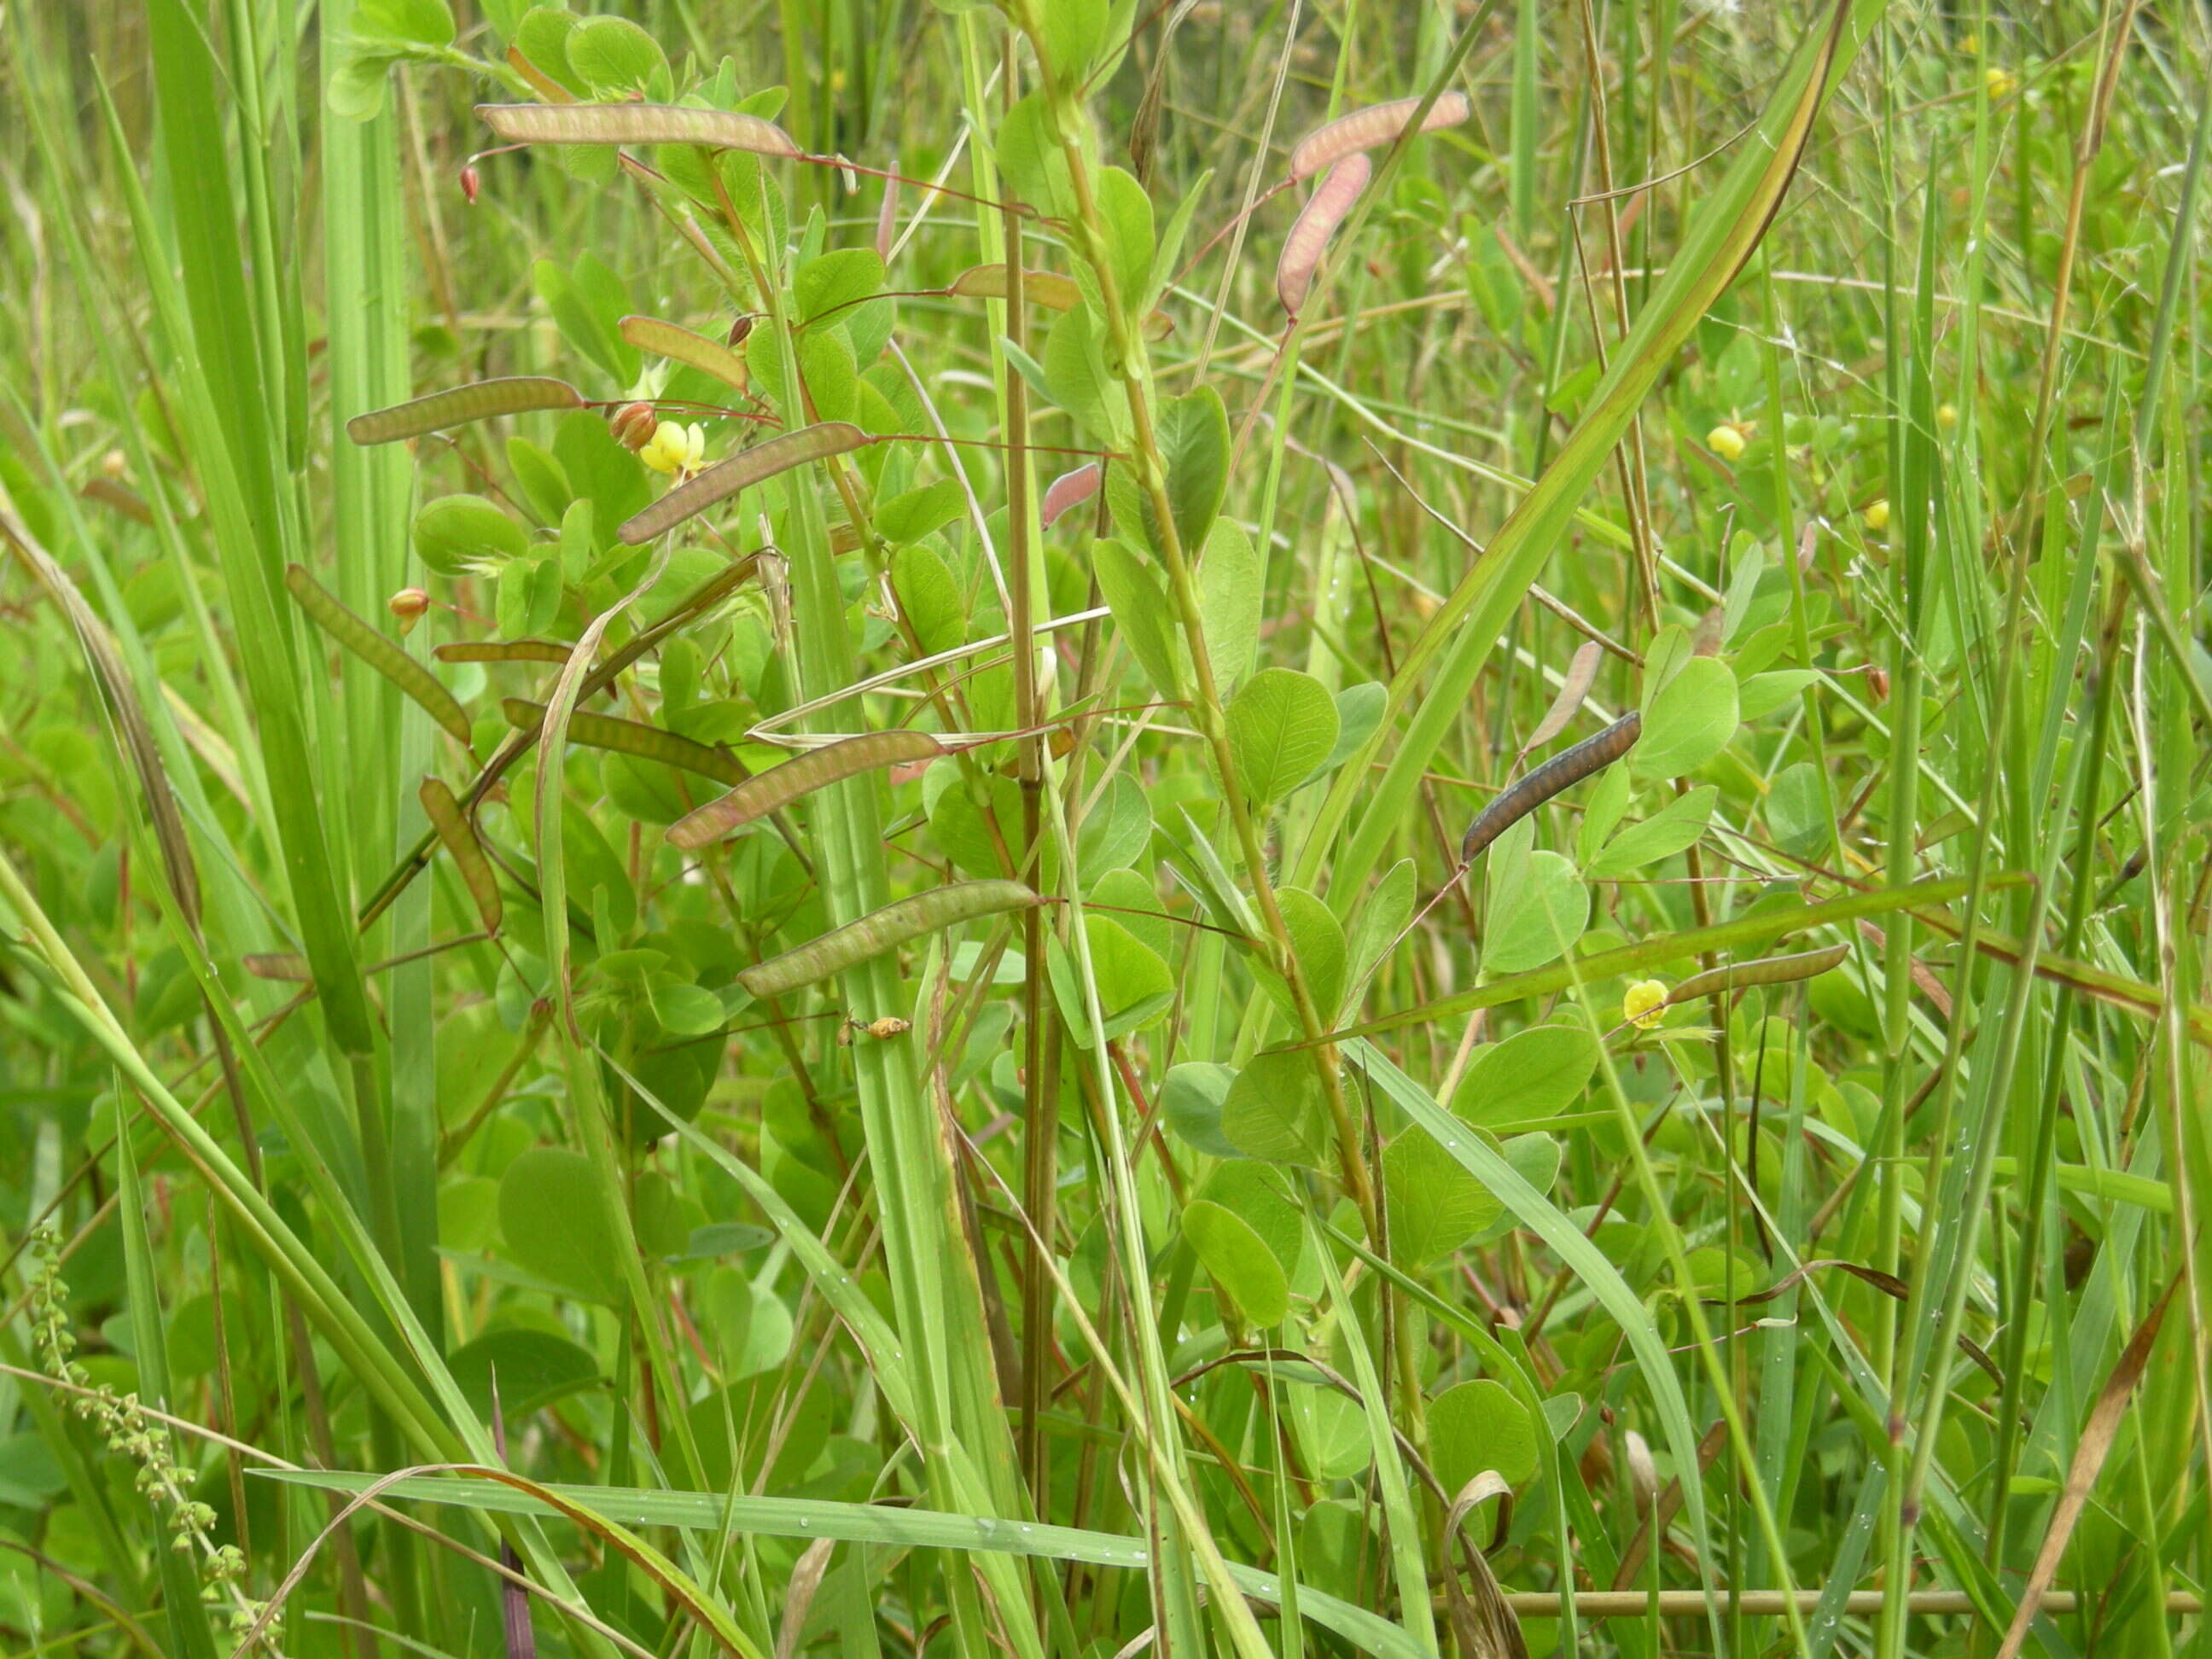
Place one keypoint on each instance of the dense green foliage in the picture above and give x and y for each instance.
(804, 940)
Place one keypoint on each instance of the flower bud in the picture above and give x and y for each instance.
(1726, 440)
(633, 424)
(1876, 515)
(471, 182)
(408, 605)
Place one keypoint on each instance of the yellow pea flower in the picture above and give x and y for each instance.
(676, 449)
(1645, 1004)
(1726, 440)
(1876, 516)
(2000, 82)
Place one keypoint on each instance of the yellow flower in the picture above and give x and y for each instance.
(1948, 417)
(1726, 440)
(1644, 1004)
(2000, 82)
(1876, 516)
(676, 449)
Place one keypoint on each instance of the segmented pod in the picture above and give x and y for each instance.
(1069, 489)
(459, 839)
(1767, 970)
(885, 930)
(634, 737)
(458, 405)
(1569, 766)
(378, 651)
(1364, 129)
(749, 466)
(635, 124)
(801, 774)
(502, 651)
(674, 341)
(1317, 222)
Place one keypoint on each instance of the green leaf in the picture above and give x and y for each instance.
(1239, 1260)
(417, 23)
(1762, 694)
(1074, 31)
(551, 1214)
(588, 306)
(455, 534)
(913, 513)
(1478, 1426)
(1134, 986)
(1533, 1075)
(1538, 908)
(1141, 610)
(1358, 711)
(828, 283)
(1228, 582)
(1674, 826)
(1190, 1102)
(1689, 722)
(1194, 439)
(614, 56)
(1274, 1111)
(1389, 909)
(1125, 213)
(1436, 1206)
(1076, 381)
(1260, 1197)
(533, 1368)
(1796, 811)
(929, 597)
(1116, 829)
(1317, 942)
(1282, 726)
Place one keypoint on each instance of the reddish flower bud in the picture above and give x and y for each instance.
(741, 328)
(471, 182)
(1878, 683)
(633, 424)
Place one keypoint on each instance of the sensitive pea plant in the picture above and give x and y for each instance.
(808, 849)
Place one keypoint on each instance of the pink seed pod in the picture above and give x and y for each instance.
(1317, 222)
(1364, 129)
(1070, 490)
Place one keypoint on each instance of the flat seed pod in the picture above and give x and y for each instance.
(1365, 128)
(1069, 489)
(1047, 289)
(635, 124)
(502, 651)
(459, 838)
(1568, 767)
(1767, 970)
(885, 930)
(634, 737)
(1574, 686)
(672, 340)
(726, 478)
(1317, 222)
(459, 405)
(801, 774)
(378, 651)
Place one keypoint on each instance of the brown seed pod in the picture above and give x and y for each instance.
(1365, 128)
(1569, 766)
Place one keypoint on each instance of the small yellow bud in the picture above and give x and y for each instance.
(114, 464)
(1726, 440)
(1972, 46)
(1876, 515)
(676, 449)
(2000, 82)
(1644, 1004)
(1948, 417)
(408, 605)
